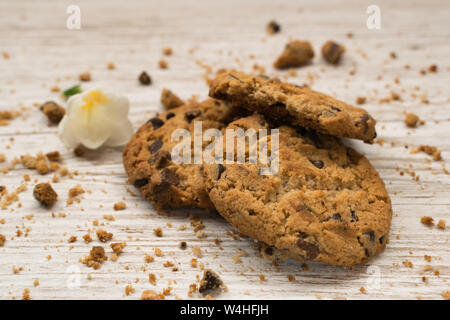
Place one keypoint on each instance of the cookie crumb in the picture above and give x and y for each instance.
(117, 247)
(111, 66)
(170, 100)
(296, 53)
(87, 238)
(96, 257)
(151, 295)
(2, 240)
(363, 290)
(120, 206)
(210, 282)
(441, 224)
(446, 294)
(361, 100)
(163, 64)
(332, 52)
(74, 192)
(428, 221)
(182, 245)
(433, 68)
(78, 151)
(411, 120)
(53, 111)
(158, 252)
(145, 79)
(430, 150)
(158, 232)
(197, 251)
(273, 27)
(152, 278)
(26, 294)
(53, 156)
(72, 239)
(407, 263)
(104, 236)
(44, 193)
(129, 290)
(86, 76)
(167, 51)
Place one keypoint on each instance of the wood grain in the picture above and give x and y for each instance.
(44, 53)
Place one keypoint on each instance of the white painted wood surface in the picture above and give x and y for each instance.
(132, 33)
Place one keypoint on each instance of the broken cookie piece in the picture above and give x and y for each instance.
(96, 257)
(53, 111)
(44, 193)
(411, 120)
(170, 100)
(145, 79)
(332, 52)
(295, 54)
(210, 282)
(273, 27)
(289, 103)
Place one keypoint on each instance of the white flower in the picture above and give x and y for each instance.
(95, 118)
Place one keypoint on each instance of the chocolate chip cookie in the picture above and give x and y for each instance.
(147, 157)
(298, 105)
(326, 202)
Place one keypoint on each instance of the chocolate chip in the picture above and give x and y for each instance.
(317, 163)
(192, 114)
(370, 234)
(269, 251)
(169, 177)
(170, 115)
(311, 249)
(367, 253)
(335, 108)
(234, 77)
(155, 146)
(156, 122)
(140, 182)
(220, 170)
(145, 79)
(335, 216)
(381, 239)
(251, 212)
(159, 158)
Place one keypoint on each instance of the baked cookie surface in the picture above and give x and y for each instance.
(147, 156)
(298, 105)
(326, 203)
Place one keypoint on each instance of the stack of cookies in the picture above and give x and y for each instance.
(324, 203)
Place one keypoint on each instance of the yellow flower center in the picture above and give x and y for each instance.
(93, 99)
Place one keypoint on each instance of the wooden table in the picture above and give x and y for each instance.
(43, 53)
